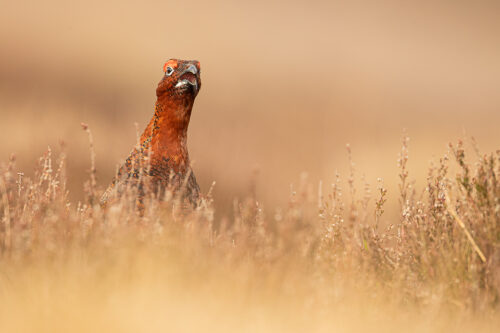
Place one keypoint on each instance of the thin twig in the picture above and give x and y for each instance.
(453, 213)
(7, 238)
(93, 182)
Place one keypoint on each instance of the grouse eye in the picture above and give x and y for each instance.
(169, 71)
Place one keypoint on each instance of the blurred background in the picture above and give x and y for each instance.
(285, 85)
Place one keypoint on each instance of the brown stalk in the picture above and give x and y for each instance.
(93, 182)
(7, 239)
(453, 213)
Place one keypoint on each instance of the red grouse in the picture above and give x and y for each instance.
(161, 161)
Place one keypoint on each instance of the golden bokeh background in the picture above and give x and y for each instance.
(285, 85)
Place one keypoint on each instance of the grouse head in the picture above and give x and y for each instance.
(181, 80)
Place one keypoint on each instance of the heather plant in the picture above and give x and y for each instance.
(313, 257)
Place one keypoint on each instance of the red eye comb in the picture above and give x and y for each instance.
(170, 63)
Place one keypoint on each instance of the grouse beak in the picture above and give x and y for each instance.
(189, 76)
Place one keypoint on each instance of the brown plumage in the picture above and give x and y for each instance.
(161, 160)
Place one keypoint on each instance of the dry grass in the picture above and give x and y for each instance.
(325, 262)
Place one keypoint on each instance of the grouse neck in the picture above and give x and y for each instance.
(174, 112)
(169, 132)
